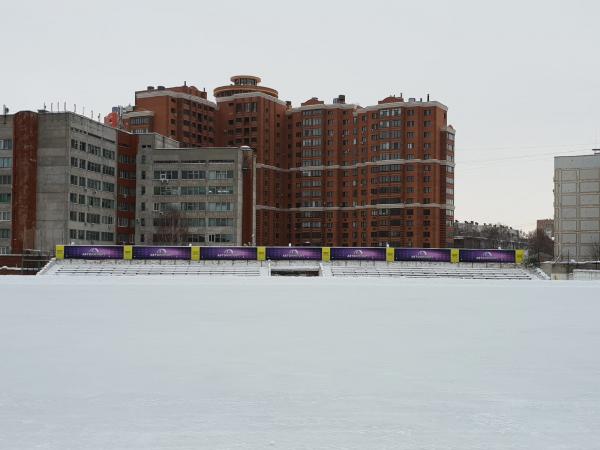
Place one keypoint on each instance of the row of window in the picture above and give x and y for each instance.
(92, 149)
(190, 238)
(92, 184)
(76, 216)
(92, 166)
(5, 163)
(193, 174)
(91, 201)
(194, 206)
(91, 235)
(193, 190)
(192, 222)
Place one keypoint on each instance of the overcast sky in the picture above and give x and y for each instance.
(521, 78)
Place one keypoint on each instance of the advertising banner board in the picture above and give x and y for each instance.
(93, 252)
(228, 253)
(494, 256)
(142, 252)
(423, 254)
(358, 253)
(294, 253)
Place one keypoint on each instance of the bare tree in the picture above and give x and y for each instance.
(595, 253)
(541, 247)
(172, 229)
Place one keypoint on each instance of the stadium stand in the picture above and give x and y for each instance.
(130, 268)
(289, 268)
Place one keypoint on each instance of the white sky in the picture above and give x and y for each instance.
(520, 78)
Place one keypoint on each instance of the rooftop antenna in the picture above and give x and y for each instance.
(64, 106)
(51, 107)
(75, 108)
(4, 112)
(83, 111)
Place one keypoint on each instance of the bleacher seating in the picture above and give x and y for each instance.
(128, 268)
(438, 271)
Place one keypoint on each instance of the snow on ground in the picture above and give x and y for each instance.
(186, 363)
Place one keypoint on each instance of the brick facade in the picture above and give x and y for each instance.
(326, 174)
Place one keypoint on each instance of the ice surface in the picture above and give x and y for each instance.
(186, 363)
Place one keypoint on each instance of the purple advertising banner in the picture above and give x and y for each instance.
(497, 256)
(422, 254)
(162, 252)
(358, 254)
(294, 253)
(93, 252)
(228, 253)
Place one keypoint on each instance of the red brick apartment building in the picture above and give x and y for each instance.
(334, 174)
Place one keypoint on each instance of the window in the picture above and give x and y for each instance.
(107, 170)
(92, 235)
(4, 233)
(5, 179)
(93, 218)
(108, 154)
(191, 206)
(166, 175)
(220, 222)
(220, 174)
(94, 184)
(5, 144)
(4, 216)
(5, 163)
(193, 174)
(5, 197)
(220, 238)
(220, 190)
(94, 167)
(106, 236)
(93, 201)
(220, 206)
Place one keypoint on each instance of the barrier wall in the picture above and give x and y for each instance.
(195, 253)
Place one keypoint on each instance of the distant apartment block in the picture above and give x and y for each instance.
(326, 173)
(547, 226)
(577, 207)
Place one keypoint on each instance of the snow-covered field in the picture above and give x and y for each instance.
(317, 363)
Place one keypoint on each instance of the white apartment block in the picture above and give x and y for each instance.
(577, 207)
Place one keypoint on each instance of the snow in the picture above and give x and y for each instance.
(311, 363)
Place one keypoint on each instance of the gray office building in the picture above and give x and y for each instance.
(199, 196)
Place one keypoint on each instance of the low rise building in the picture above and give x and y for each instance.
(195, 195)
(475, 235)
